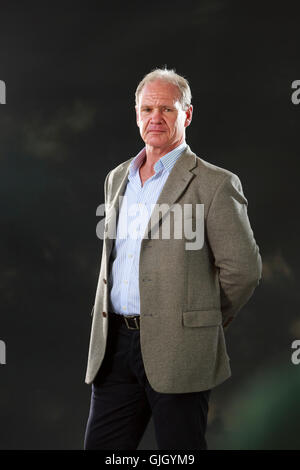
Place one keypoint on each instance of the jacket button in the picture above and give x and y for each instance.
(105, 281)
(104, 314)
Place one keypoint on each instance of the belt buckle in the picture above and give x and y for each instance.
(135, 321)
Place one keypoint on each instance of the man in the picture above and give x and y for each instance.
(157, 343)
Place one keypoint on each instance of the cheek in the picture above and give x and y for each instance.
(175, 125)
(143, 124)
(143, 128)
(179, 125)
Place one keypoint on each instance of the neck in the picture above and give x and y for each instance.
(153, 154)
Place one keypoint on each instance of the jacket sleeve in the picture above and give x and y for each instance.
(236, 254)
(106, 184)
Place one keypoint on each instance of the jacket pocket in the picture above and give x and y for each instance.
(202, 318)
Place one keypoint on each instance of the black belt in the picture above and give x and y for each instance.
(131, 321)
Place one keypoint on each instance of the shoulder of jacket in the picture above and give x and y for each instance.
(213, 171)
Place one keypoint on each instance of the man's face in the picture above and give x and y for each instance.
(160, 117)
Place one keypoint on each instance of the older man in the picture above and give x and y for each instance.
(157, 343)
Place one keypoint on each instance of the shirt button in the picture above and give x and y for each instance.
(104, 314)
(105, 281)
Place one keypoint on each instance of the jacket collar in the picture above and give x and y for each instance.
(177, 181)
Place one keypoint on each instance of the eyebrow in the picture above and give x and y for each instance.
(161, 106)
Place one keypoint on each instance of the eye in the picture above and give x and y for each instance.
(167, 109)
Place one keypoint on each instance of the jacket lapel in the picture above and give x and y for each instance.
(175, 185)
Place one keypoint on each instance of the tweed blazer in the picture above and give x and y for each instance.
(187, 297)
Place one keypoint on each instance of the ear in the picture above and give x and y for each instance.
(189, 115)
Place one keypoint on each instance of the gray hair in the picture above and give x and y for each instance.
(170, 76)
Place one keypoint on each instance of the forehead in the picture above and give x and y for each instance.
(159, 91)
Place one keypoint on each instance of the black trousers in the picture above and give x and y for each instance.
(123, 401)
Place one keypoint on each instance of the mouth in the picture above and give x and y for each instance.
(155, 131)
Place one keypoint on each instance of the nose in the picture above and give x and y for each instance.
(156, 116)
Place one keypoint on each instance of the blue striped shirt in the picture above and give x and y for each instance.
(124, 274)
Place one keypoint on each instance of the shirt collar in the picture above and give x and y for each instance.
(166, 162)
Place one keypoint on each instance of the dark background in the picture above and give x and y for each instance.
(71, 69)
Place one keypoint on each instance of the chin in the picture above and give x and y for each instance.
(156, 141)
